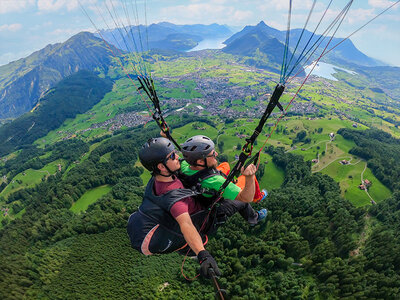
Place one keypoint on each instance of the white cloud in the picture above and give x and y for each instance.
(213, 2)
(7, 6)
(380, 3)
(55, 5)
(205, 13)
(65, 32)
(10, 27)
(360, 15)
(284, 5)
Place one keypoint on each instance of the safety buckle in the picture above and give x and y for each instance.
(248, 148)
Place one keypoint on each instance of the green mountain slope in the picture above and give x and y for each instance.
(345, 55)
(23, 82)
(73, 95)
(261, 50)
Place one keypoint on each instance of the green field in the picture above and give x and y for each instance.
(273, 176)
(90, 197)
(30, 177)
(348, 176)
(27, 179)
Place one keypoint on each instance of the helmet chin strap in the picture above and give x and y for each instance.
(169, 171)
(205, 163)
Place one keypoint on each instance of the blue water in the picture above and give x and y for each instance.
(326, 70)
(210, 44)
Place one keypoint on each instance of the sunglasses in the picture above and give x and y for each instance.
(172, 156)
(214, 154)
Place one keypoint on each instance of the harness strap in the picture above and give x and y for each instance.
(147, 85)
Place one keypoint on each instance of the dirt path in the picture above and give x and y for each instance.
(363, 236)
(336, 159)
(312, 146)
(366, 190)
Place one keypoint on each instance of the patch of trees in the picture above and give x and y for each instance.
(48, 219)
(301, 137)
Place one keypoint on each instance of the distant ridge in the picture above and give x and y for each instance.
(263, 50)
(165, 36)
(344, 55)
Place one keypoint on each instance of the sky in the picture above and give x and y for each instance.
(29, 25)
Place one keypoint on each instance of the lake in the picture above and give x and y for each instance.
(326, 70)
(210, 44)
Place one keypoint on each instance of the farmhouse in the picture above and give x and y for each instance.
(367, 182)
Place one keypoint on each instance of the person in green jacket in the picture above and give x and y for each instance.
(199, 154)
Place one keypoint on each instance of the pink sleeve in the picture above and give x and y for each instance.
(180, 207)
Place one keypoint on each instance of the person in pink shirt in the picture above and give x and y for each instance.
(163, 222)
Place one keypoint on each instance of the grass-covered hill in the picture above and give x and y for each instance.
(73, 95)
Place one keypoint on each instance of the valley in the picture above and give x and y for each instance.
(217, 86)
(71, 178)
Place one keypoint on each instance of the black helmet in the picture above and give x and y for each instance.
(197, 147)
(155, 151)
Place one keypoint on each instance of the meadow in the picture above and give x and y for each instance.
(90, 197)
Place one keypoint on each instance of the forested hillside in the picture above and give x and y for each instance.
(73, 95)
(381, 151)
(314, 245)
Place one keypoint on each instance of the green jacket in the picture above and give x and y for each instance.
(213, 183)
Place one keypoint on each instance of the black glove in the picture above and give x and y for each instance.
(206, 262)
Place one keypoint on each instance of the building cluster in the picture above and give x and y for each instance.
(4, 211)
(130, 119)
(365, 184)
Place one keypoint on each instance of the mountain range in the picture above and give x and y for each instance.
(73, 95)
(24, 82)
(163, 35)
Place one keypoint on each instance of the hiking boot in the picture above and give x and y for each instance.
(262, 214)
